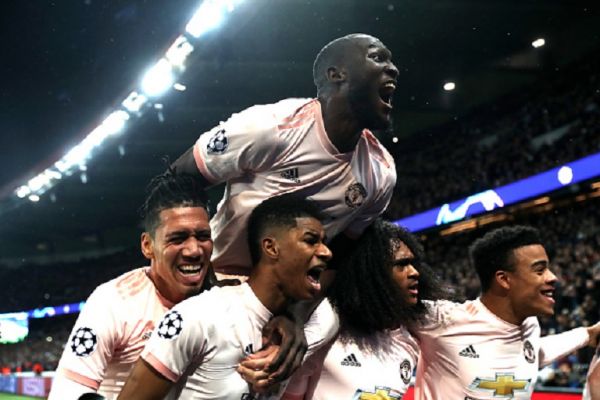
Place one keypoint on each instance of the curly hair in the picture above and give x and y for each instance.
(494, 251)
(365, 294)
(170, 190)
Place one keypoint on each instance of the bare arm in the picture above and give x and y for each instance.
(145, 383)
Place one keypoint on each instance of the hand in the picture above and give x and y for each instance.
(594, 332)
(289, 335)
(253, 369)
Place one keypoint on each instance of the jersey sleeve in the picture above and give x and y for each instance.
(438, 314)
(178, 340)
(553, 347)
(385, 183)
(92, 341)
(247, 142)
(321, 328)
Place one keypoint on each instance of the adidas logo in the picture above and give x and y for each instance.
(249, 349)
(291, 174)
(469, 352)
(350, 361)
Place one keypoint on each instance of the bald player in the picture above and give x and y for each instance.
(322, 148)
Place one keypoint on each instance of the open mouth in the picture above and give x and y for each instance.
(386, 92)
(413, 289)
(314, 276)
(191, 273)
(549, 294)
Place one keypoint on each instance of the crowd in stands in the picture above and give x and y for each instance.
(496, 145)
(550, 123)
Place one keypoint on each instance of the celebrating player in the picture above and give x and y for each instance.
(491, 347)
(318, 148)
(377, 299)
(200, 351)
(119, 315)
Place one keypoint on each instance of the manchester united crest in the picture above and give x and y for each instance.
(355, 195)
(528, 352)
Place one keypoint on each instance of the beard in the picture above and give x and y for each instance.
(364, 103)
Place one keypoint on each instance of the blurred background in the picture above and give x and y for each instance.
(496, 121)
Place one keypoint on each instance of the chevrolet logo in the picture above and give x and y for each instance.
(380, 394)
(504, 385)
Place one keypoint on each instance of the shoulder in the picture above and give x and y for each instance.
(377, 152)
(264, 117)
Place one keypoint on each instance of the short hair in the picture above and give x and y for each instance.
(330, 54)
(364, 292)
(171, 190)
(279, 211)
(495, 250)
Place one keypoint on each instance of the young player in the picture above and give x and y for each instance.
(377, 299)
(200, 351)
(491, 347)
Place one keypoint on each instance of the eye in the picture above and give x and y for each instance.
(376, 57)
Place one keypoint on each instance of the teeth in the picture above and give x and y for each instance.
(390, 85)
(190, 268)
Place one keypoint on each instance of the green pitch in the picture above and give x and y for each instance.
(8, 396)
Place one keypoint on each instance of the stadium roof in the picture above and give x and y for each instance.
(67, 64)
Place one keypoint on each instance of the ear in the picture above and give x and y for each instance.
(146, 244)
(270, 247)
(336, 75)
(502, 278)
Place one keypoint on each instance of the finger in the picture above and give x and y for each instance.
(287, 369)
(255, 363)
(252, 376)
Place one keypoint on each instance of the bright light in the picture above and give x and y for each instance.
(449, 86)
(395, 139)
(134, 102)
(209, 16)
(158, 79)
(23, 191)
(179, 87)
(115, 122)
(34, 198)
(565, 175)
(538, 43)
(179, 51)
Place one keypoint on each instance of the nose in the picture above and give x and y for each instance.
(323, 252)
(412, 272)
(192, 248)
(392, 70)
(550, 277)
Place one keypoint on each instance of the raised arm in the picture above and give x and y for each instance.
(553, 347)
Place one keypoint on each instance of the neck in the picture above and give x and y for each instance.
(501, 307)
(266, 288)
(340, 123)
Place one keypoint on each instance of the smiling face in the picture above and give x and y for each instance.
(405, 274)
(179, 252)
(303, 255)
(371, 81)
(531, 283)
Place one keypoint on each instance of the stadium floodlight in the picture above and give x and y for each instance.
(395, 139)
(449, 86)
(179, 87)
(134, 102)
(209, 15)
(115, 122)
(34, 198)
(158, 79)
(179, 51)
(538, 43)
(23, 191)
